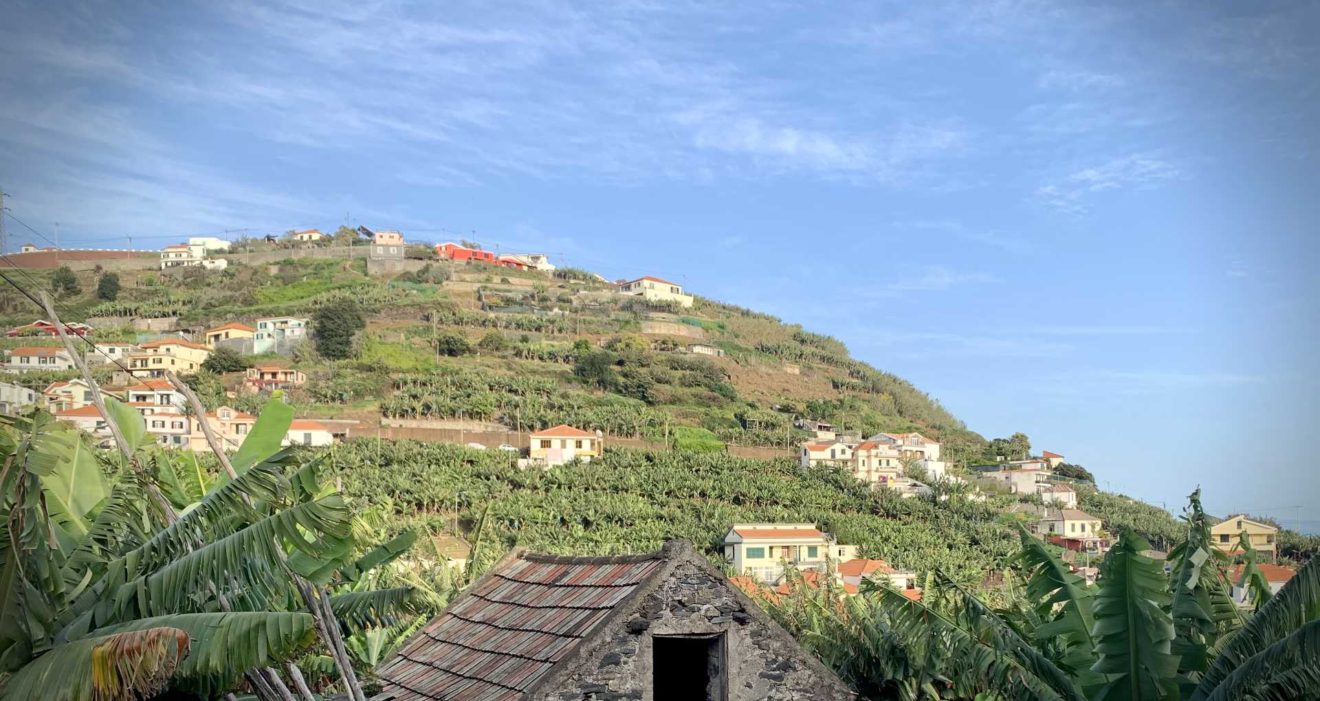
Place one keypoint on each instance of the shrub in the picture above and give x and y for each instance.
(224, 359)
(335, 324)
(107, 288)
(64, 282)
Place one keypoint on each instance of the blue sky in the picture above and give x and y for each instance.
(1095, 224)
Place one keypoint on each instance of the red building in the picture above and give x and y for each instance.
(452, 251)
(41, 327)
(514, 263)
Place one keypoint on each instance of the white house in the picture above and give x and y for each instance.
(1057, 494)
(308, 235)
(307, 432)
(1023, 481)
(15, 399)
(278, 334)
(155, 393)
(195, 253)
(86, 418)
(654, 289)
(910, 445)
(38, 358)
(852, 572)
(563, 444)
(763, 550)
(535, 261)
(208, 244)
(826, 452)
(110, 352)
(1275, 575)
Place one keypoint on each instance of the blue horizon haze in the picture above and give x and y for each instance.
(1092, 223)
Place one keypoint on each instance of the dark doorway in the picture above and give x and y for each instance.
(688, 668)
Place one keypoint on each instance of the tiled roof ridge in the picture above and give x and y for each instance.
(551, 559)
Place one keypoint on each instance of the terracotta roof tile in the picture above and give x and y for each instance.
(862, 567)
(45, 351)
(1273, 573)
(763, 533)
(564, 431)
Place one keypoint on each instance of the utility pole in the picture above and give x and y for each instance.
(3, 240)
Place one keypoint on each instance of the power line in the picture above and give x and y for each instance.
(42, 307)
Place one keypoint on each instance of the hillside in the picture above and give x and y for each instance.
(532, 328)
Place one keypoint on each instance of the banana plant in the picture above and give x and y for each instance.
(102, 599)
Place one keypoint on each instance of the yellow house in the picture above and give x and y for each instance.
(762, 550)
(179, 355)
(230, 331)
(563, 444)
(1070, 523)
(656, 290)
(1262, 536)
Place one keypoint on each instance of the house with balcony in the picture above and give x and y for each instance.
(169, 426)
(654, 289)
(177, 355)
(38, 359)
(268, 376)
(826, 452)
(1226, 535)
(563, 444)
(156, 393)
(278, 334)
(195, 254)
(876, 463)
(763, 550)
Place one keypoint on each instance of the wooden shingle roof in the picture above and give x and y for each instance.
(514, 626)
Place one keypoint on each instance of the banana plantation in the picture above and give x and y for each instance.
(155, 574)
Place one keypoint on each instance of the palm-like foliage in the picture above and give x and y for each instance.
(102, 599)
(1138, 634)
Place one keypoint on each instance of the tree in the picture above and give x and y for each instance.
(493, 342)
(64, 282)
(452, 344)
(225, 359)
(207, 385)
(597, 368)
(1076, 472)
(107, 288)
(335, 324)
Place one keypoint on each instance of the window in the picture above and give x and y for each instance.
(158, 424)
(689, 668)
(241, 429)
(755, 553)
(811, 551)
(307, 439)
(577, 444)
(1223, 537)
(545, 444)
(1072, 528)
(1239, 524)
(176, 424)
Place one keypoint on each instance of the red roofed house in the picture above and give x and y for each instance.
(826, 452)
(453, 251)
(654, 289)
(666, 626)
(41, 327)
(232, 331)
(1054, 459)
(67, 394)
(1057, 494)
(307, 432)
(563, 444)
(86, 418)
(762, 550)
(854, 571)
(268, 376)
(37, 358)
(1276, 575)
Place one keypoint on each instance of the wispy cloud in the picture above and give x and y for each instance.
(937, 278)
(1142, 170)
(1079, 80)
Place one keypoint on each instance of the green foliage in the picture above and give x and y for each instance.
(225, 359)
(64, 282)
(208, 387)
(1121, 513)
(452, 345)
(335, 324)
(493, 342)
(697, 440)
(1076, 472)
(107, 288)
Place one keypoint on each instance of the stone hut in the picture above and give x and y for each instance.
(666, 626)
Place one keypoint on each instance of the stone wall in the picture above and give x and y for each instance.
(761, 660)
